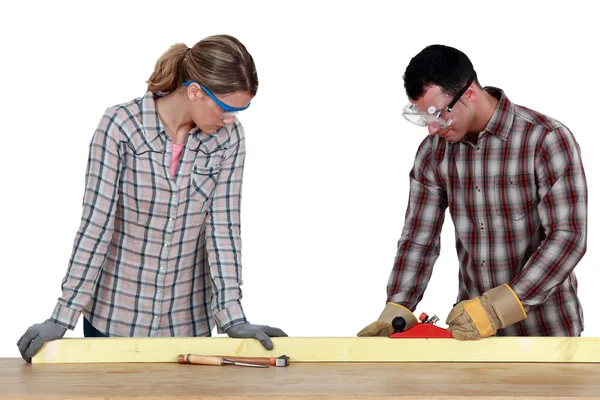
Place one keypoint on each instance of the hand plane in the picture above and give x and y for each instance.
(425, 328)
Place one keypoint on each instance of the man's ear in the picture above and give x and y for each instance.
(471, 93)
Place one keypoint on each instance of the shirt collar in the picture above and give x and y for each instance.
(151, 127)
(501, 122)
(208, 143)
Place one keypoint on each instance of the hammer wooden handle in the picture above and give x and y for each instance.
(253, 360)
(202, 360)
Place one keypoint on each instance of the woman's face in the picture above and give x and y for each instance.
(210, 116)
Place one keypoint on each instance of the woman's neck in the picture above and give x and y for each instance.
(172, 112)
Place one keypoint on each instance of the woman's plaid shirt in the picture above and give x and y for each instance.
(156, 255)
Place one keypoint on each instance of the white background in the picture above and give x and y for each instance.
(326, 179)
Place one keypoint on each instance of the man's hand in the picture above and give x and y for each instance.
(383, 325)
(35, 337)
(259, 332)
(482, 316)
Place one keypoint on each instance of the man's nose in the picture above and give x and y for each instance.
(433, 129)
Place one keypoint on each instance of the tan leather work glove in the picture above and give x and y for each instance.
(383, 325)
(482, 316)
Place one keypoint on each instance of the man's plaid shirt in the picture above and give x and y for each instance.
(518, 200)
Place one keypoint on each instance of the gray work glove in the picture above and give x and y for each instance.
(35, 337)
(259, 332)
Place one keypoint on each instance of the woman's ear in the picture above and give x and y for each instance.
(195, 92)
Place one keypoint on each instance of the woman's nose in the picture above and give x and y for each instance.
(228, 120)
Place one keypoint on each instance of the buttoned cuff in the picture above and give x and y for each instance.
(232, 314)
(65, 317)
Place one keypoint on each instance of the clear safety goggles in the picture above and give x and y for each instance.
(436, 117)
(431, 117)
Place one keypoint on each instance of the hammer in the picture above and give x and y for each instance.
(281, 361)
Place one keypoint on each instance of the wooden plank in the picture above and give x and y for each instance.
(318, 381)
(323, 349)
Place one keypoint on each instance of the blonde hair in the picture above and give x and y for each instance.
(221, 63)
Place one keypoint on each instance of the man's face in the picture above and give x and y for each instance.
(435, 98)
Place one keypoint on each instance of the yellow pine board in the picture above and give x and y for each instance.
(325, 349)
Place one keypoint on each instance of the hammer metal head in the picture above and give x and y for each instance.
(282, 361)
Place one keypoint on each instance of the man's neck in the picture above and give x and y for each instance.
(483, 114)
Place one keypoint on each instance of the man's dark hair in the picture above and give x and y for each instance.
(439, 65)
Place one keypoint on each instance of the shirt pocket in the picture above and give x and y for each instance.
(203, 182)
(514, 195)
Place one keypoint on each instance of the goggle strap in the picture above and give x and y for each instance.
(460, 92)
(225, 107)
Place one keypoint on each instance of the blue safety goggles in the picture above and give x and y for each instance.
(228, 111)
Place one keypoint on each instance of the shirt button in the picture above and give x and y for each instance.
(477, 148)
(481, 227)
(478, 188)
(166, 244)
(171, 218)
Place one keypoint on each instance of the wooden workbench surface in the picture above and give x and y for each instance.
(422, 381)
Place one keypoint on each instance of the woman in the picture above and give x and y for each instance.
(158, 251)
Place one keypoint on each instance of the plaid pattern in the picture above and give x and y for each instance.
(518, 200)
(156, 255)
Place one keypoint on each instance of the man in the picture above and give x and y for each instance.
(515, 184)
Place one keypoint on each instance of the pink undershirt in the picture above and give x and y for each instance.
(175, 155)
